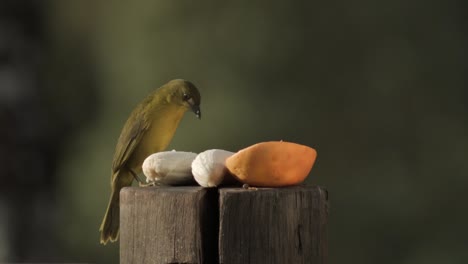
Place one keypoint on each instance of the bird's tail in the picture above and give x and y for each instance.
(110, 224)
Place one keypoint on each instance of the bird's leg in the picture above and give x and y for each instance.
(140, 182)
(135, 176)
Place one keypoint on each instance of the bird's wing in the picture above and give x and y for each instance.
(131, 135)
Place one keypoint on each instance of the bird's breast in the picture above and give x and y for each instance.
(163, 124)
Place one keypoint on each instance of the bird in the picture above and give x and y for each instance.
(149, 129)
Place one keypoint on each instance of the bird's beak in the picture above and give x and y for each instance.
(195, 108)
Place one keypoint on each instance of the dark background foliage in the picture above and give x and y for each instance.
(379, 88)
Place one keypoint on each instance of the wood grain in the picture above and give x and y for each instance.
(230, 226)
(168, 225)
(281, 225)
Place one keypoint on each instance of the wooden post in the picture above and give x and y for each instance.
(230, 226)
(168, 225)
(281, 225)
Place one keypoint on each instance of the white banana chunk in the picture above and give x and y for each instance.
(209, 168)
(169, 167)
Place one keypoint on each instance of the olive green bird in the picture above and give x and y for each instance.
(149, 129)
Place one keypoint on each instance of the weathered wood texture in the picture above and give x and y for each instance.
(230, 226)
(284, 225)
(168, 225)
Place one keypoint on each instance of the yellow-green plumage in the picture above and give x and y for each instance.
(149, 129)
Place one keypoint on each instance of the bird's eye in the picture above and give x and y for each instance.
(186, 97)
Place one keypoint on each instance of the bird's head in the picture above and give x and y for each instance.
(186, 94)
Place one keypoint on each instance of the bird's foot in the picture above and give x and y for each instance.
(149, 184)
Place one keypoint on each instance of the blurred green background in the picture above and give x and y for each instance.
(379, 88)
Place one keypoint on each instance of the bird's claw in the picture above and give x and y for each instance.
(149, 184)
